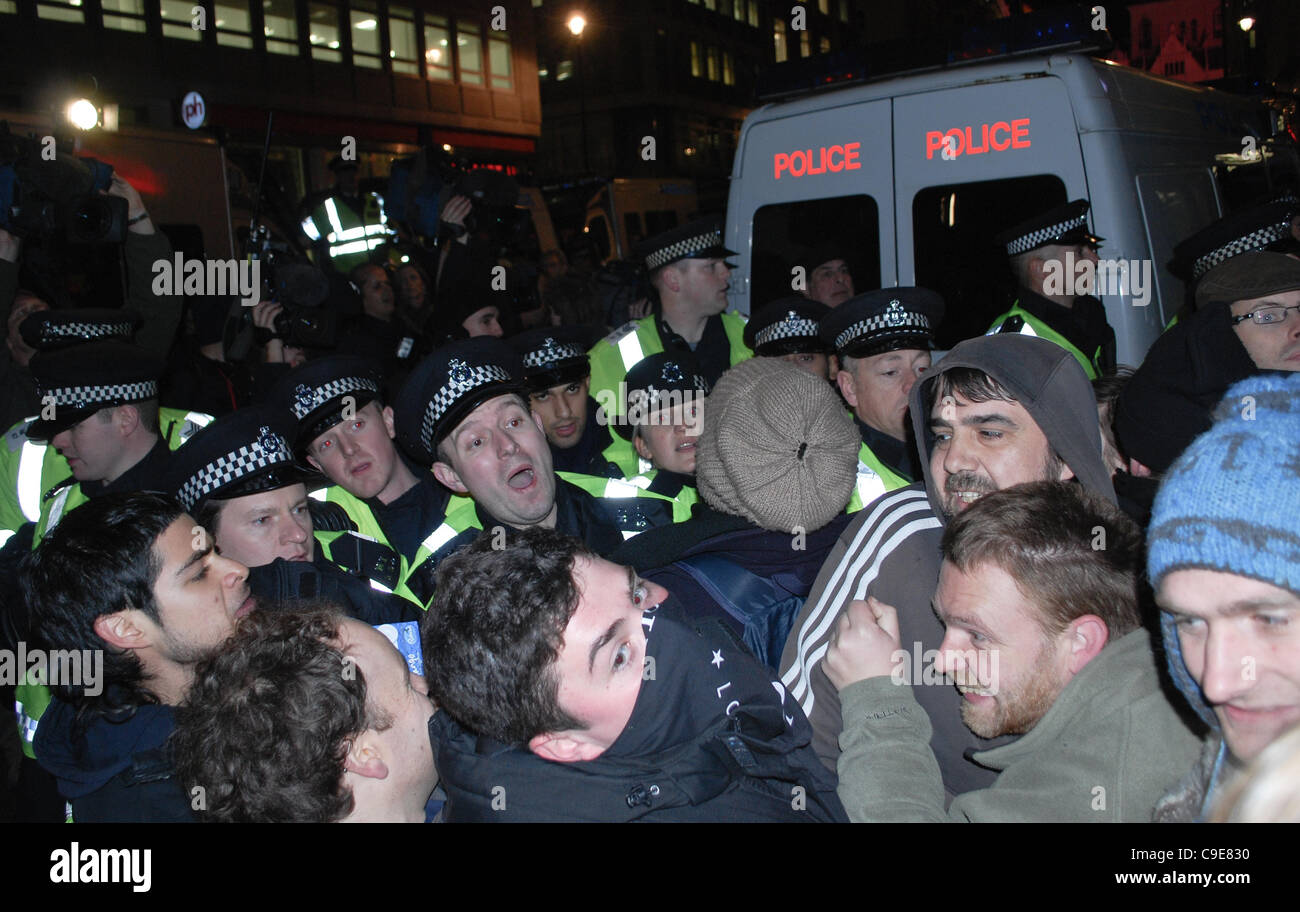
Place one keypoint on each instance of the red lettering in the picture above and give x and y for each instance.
(779, 161)
(822, 169)
(798, 158)
(993, 136)
(830, 158)
(933, 143)
(971, 148)
(1020, 133)
(959, 145)
(851, 162)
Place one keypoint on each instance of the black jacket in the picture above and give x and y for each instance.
(709, 740)
(113, 772)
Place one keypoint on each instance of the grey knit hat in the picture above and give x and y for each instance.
(778, 447)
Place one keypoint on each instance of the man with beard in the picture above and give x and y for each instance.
(998, 411)
(1043, 639)
(125, 577)
(557, 372)
(570, 691)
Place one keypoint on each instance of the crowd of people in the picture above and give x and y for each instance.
(433, 547)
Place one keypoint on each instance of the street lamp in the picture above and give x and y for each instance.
(577, 23)
(1246, 23)
(83, 114)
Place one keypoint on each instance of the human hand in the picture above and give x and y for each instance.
(863, 645)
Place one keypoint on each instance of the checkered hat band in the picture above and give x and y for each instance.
(81, 396)
(880, 325)
(1043, 235)
(233, 466)
(552, 354)
(51, 331)
(454, 389)
(1256, 240)
(305, 405)
(787, 329)
(684, 248)
(650, 397)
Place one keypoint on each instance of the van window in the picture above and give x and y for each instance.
(782, 232)
(1175, 205)
(953, 227)
(658, 220)
(1247, 185)
(599, 235)
(632, 228)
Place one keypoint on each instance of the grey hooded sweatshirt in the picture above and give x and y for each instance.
(891, 550)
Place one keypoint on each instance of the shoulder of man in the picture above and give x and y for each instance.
(626, 329)
(16, 436)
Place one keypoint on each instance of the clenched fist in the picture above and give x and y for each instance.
(863, 645)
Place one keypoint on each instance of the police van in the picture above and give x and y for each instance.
(916, 173)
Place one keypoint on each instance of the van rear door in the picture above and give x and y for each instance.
(970, 162)
(803, 176)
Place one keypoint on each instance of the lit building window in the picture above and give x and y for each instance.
(564, 71)
(234, 24)
(753, 13)
(844, 10)
(805, 43)
(61, 10)
(728, 69)
(824, 6)
(712, 60)
(469, 53)
(403, 53)
(824, 45)
(697, 68)
(323, 20)
(437, 47)
(178, 20)
(123, 15)
(499, 62)
(778, 40)
(280, 27)
(363, 17)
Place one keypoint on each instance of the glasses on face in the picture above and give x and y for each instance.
(1268, 316)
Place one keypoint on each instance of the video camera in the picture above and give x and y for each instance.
(46, 197)
(302, 291)
(420, 186)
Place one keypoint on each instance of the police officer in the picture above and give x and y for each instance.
(463, 410)
(827, 278)
(557, 372)
(100, 411)
(344, 224)
(665, 417)
(789, 328)
(30, 467)
(883, 340)
(344, 430)
(1269, 227)
(688, 272)
(239, 480)
(1053, 300)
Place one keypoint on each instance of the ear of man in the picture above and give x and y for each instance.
(122, 629)
(365, 758)
(1085, 637)
(448, 477)
(844, 380)
(564, 747)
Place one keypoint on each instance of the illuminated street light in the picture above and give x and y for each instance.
(576, 23)
(83, 114)
(1246, 23)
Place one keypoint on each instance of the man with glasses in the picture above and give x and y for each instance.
(1245, 323)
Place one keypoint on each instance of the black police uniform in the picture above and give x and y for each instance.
(247, 453)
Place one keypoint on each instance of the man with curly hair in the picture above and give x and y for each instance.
(306, 716)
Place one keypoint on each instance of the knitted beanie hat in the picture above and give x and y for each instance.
(778, 447)
(1231, 502)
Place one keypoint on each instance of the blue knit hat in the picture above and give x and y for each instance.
(1231, 502)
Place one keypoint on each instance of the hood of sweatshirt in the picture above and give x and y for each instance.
(1044, 378)
(84, 756)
